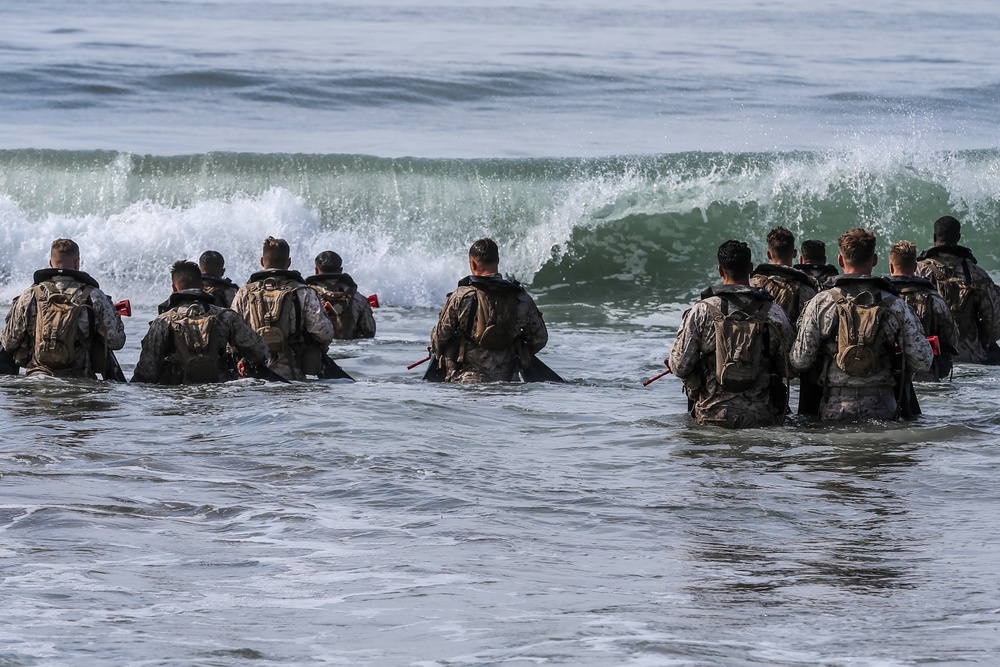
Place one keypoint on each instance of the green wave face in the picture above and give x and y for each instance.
(631, 232)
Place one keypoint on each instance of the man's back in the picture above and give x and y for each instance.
(694, 359)
(353, 317)
(853, 390)
(188, 342)
(935, 318)
(475, 350)
(62, 325)
(288, 316)
(971, 294)
(791, 289)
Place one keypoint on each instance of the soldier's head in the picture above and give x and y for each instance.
(185, 275)
(329, 262)
(947, 231)
(212, 263)
(276, 254)
(857, 251)
(813, 252)
(903, 258)
(735, 263)
(484, 257)
(781, 246)
(65, 254)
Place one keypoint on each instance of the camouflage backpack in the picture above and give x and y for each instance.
(197, 346)
(862, 348)
(57, 323)
(920, 302)
(786, 294)
(275, 315)
(741, 342)
(339, 309)
(495, 312)
(959, 292)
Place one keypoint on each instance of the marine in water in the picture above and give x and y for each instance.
(490, 328)
(851, 332)
(790, 287)
(213, 270)
(970, 292)
(812, 260)
(349, 312)
(63, 325)
(191, 341)
(286, 313)
(929, 307)
(731, 349)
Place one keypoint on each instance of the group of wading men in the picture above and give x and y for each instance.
(855, 340)
(278, 326)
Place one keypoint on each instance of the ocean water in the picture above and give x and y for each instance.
(609, 149)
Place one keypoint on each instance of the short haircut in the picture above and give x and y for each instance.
(275, 251)
(947, 230)
(485, 251)
(814, 251)
(857, 246)
(212, 263)
(781, 242)
(735, 259)
(329, 262)
(185, 275)
(903, 254)
(65, 249)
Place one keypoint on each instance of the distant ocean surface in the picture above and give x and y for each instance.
(609, 148)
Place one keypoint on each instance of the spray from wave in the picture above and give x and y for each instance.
(620, 231)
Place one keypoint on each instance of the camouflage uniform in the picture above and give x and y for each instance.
(155, 365)
(223, 289)
(18, 335)
(465, 361)
(976, 338)
(846, 397)
(313, 330)
(769, 276)
(821, 273)
(364, 318)
(937, 322)
(692, 359)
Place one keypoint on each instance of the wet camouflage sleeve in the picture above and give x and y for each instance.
(240, 336)
(919, 354)
(814, 325)
(16, 327)
(689, 346)
(154, 351)
(947, 329)
(314, 318)
(109, 322)
(363, 317)
(453, 312)
(241, 303)
(781, 347)
(530, 322)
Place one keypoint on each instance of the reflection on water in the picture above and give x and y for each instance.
(822, 513)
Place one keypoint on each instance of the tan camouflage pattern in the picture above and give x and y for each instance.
(806, 292)
(970, 347)
(692, 359)
(316, 324)
(816, 343)
(364, 318)
(19, 330)
(156, 344)
(224, 294)
(483, 365)
(945, 329)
